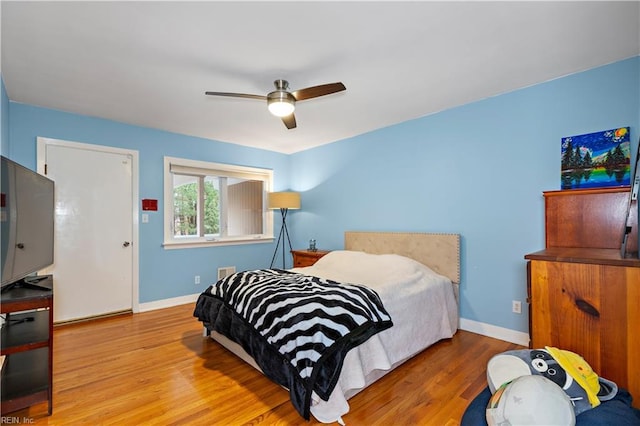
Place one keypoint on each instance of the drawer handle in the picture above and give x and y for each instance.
(587, 308)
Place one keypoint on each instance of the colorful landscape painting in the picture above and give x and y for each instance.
(596, 160)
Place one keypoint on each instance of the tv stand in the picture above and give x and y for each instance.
(26, 340)
(30, 283)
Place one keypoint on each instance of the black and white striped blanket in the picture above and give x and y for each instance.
(298, 328)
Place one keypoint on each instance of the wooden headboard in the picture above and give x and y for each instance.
(440, 252)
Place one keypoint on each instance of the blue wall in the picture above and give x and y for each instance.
(478, 170)
(163, 273)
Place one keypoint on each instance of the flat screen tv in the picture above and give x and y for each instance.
(26, 224)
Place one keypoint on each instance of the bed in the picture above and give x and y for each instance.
(415, 276)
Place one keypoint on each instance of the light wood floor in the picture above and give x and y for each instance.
(155, 368)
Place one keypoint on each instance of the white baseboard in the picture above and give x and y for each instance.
(495, 332)
(167, 303)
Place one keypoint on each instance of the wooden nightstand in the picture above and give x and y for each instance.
(306, 258)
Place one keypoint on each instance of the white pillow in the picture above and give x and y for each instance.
(365, 268)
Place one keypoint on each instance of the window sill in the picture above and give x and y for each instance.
(172, 245)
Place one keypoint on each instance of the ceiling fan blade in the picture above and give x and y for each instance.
(237, 95)
(289, 121)
(316, 91)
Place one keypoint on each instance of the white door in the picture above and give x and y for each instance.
(93, 266)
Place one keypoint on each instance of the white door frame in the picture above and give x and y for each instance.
(42, 143)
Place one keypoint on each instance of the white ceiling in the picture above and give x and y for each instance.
(149, 63)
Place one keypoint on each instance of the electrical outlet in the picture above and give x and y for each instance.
(197, 279)
(516, 306)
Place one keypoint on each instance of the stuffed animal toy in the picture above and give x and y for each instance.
(566, 369)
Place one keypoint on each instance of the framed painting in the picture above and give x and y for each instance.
(596, 160)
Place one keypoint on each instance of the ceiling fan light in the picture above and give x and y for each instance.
(281, 108)
(281, 104)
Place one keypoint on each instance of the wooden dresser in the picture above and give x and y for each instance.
(303, 258)
(583, 296)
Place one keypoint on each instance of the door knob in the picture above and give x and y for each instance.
(126, 244)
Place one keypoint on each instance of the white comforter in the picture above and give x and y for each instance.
(422, 306)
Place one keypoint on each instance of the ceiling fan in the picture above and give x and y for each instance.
(282, 103)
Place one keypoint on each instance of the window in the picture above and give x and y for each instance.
(212, 204)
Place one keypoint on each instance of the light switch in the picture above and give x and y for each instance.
(145, 217)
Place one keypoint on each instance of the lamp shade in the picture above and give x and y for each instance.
(284, 200)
